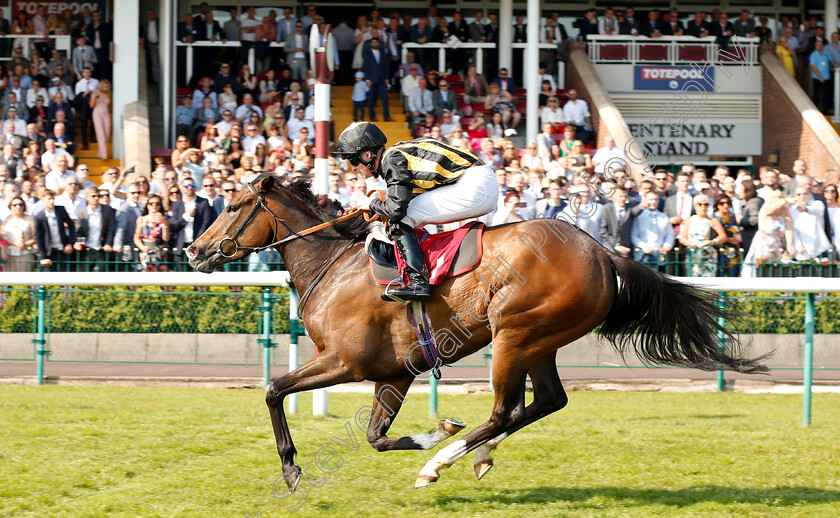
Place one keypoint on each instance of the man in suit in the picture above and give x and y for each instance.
(208, 30)
(85, 56)
(375, 65)
(55, 234)
(698, 27)
(458, 28)
(553, 33)
(651, 235)
(126, 225)
(297, 48)
(629, 25)
(443, 99)
(505, 82)
(475, 86)
(9, 137)
(751, 205)
(617, 220)
(187, 32)
(491, 35)
(745, 26)
(653, 26)
(97, 224)
(191, 216)
(679, 207)
(62, 138)
(477, 30)
(673, 26)
(99, 35)
(723, 29)
(150, 40)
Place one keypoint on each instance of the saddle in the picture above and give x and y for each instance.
(447, 254)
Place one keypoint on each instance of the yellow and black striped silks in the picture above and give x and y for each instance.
(429, 162)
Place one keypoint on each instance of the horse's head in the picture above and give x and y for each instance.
(246, 224)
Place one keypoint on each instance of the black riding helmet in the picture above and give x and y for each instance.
(359, 137)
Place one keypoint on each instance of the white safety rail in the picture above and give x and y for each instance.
(667, 50)
(61, 42)
(261, 279)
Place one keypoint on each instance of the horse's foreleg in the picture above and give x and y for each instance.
(508, 410)
(387, 400)
(325, 370)
(549, 397)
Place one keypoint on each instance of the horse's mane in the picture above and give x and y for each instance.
(300, 189)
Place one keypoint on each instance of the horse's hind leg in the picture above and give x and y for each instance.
(387, 400)
(324, 370)
(549, 397)
(508, 410)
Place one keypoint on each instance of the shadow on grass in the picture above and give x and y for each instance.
(776, 496)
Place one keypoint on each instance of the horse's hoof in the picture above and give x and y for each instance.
(425, 480)
(482, 467)
(452, 426)
(292, 479)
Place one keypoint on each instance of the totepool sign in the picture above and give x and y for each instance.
(646, 77)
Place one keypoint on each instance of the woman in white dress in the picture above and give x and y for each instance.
(362, 34)
(19, 231)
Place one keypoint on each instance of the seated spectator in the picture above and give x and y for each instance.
(48, 157)
(299, 121)
(62, 139)
(531, 160)
(500, 101)
(547, 93)
(9, 136)
(443, 99)
(39, 115)
(420, 101)
(33, 93)
(253, 137)
(508, 212)
(59, 104)
(269, 87)
(477, 131)
(476, 88)
(18, 124)
(424, 128)
(457, 138)
(227, 98)
(409, 82)
(59, 86)
(248, 107)
(505, 83)
(569, 134)
(12, 163)
(205, 89)
(552, 115)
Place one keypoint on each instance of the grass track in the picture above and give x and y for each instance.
(159, 451)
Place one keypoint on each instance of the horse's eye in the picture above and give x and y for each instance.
(233, 208)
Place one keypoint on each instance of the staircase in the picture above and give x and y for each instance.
(96, 165)
(342, 114)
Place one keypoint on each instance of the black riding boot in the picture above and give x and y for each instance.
(415, 264)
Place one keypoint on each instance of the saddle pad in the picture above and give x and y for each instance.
(448, 254)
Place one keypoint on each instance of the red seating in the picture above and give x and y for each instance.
(653, 52)
(614, 52)
(465, 108)
(454, 79)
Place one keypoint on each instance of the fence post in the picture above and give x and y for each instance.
(42, 324)
(808, 360)
(721, 342)
(433, 399)
(266, 339)
(293, 342)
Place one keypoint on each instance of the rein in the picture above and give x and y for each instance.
(260, 196)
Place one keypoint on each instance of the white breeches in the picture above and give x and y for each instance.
(475, 194)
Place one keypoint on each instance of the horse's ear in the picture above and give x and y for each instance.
(265, 184)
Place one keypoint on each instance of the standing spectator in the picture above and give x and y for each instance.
(359, 98)
(344, 43)
(421, 33)
(583, 212)
(809, 236)
(723, 29)
(588, 24)
(673, 26)
(249, 26)
(84, 57)
(265, 34)
(55, 234)
(552, 115)
(823, 84)
(297, 47)
(764, 33)
(800, 171)
(774, 236)
(375, 66)
(185, 119)
(19, 232)
(99, 35)
(652, 28)
(576, 113)
(128, 214)
(71, 200)
(510, 204)
(152, 234)
(696, 236)
(698, 27)
(550, 206)
(99, 102)
(651, 234)
(243, 112)
(751, 207)
(608, 24)
(150, 40)
(786, 55)
(745, 26)
(96, 224)
(191, 216)
(609, 159)
(833, 208)
(617, 221)
(39, 26)
(729, 257)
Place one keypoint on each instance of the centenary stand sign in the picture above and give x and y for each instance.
(699, 138)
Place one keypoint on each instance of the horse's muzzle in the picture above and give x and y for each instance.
(198, 261)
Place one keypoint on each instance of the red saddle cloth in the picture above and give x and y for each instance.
(447, 254)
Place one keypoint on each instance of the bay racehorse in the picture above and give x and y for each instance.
(540, 285)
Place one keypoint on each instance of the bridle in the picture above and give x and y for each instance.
(260, 197)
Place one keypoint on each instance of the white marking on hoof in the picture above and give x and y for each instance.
(424, 480)
(446, 429)
(443, 459)
(483, 461)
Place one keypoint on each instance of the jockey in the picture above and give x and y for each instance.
(429, 182)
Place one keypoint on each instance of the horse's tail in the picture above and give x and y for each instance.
(671, 323)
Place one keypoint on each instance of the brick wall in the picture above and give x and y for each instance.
(786, 131)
